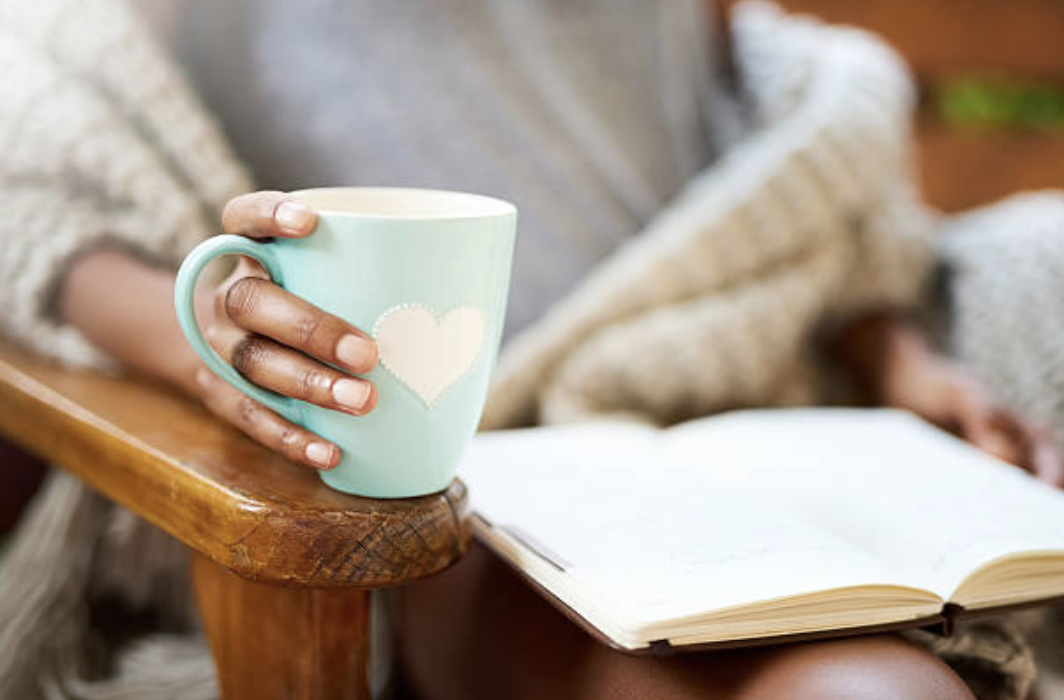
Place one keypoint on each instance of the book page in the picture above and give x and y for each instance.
(648, 540)
(923, 502)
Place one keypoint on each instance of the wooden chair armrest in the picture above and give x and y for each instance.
(236, 503)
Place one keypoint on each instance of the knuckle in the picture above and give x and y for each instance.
(243, 297)
(247, 412)
(309, 383)
(290, 443)
(307, 328)
(249, 355)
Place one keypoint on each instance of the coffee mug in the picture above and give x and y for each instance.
(426, 273)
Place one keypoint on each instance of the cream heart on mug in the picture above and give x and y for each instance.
(429, 354)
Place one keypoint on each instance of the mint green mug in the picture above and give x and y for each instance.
(426, 273)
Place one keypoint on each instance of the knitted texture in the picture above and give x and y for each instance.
(103, 142)
(718, 303)
(992, 656)
(810, 219)
(75, 549)
(1004, 299)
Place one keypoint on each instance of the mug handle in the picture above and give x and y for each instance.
(184, 296)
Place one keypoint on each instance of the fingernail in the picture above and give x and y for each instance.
(358, 353)
(203, 377)
(293, 217)
(351, 393)
(320, 454)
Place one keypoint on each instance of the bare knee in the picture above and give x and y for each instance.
(870, 668)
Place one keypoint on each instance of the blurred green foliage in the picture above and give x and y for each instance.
(999, 102)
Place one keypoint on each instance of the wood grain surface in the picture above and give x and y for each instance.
(240, 505)
(275, 642)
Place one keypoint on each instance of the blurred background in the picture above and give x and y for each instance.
(991, 76)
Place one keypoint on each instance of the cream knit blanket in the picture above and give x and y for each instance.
(718, 304)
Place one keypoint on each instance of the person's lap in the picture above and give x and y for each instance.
(479, 631)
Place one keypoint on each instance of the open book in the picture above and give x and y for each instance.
(759, 526)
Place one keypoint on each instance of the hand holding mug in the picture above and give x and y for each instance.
(281, 342)
(376, 330)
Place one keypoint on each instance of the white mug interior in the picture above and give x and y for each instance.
(403, 203)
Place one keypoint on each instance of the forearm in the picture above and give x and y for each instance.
(125, 307)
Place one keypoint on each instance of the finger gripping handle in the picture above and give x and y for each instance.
(184, 302)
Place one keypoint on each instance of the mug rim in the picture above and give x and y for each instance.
(385, 202)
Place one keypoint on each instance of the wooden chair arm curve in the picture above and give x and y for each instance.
(238, 504)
